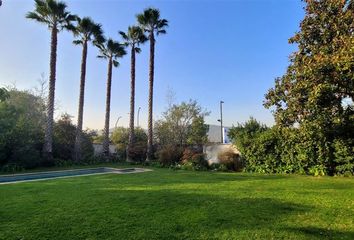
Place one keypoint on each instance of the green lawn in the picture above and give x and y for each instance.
(166, 204)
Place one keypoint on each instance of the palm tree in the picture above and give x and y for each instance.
(151, 23)
(85, 31)
(53, 14)
(110, 51)
(133, 38)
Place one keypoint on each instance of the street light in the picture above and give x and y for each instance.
(137, 117)
(220, 120)
(115, 126)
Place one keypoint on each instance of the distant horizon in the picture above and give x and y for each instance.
(234, 57)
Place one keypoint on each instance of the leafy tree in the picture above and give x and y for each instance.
(85, 31)
(319, 79)
(319, 76)
(152, 24)
(21, 135)
(198, 132)
(110, 51)
(55, 16)
(64, 140)
(133, 38)
(181, 125)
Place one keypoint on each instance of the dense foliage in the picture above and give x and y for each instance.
(22, 119)
(20, 137)
(120, 138)
(64, 140)
(312, 102)
(290, 150)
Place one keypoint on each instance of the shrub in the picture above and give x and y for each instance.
(231, 160)
(64, 140)
(169, 155)
(138, 152)
(317, 170)
(304, 149)
(344, 157)
(194, 157)
(12, 168)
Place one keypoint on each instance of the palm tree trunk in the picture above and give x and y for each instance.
(132, 104)
(108, 110)
(48, 138)
(78, 138)
(151, 95)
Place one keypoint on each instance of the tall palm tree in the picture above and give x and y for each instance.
(53, 14)
(85, 31)
(110, 51)
(152, 24)
(133, 38)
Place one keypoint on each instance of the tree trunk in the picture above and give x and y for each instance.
(78, 138)
(151, 93)
(108, 110)
(48, 138)
(132, 104)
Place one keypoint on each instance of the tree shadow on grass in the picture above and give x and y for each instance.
(321, 233)
(177, 215)
(110, 212)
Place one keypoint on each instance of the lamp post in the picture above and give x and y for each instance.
(221, 130)
(115, 126)
(137, 117)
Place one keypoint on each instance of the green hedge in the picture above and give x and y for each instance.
(303, 150)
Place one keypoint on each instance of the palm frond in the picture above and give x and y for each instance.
(137, 50)
(161, 32)
(150, 21)
(37, 17)
(123, 35)
(53, 13)
(115, 63)
(77, 42)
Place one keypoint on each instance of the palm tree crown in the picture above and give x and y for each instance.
(52, 13)
(87, 30)
(150, 21)
(112, 50)
(134, 37)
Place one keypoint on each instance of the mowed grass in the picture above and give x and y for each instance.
(166, 204)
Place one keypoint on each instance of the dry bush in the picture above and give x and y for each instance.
(231, 160)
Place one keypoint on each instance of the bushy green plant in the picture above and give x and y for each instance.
(11, 168)
(304, 149)
(120, 137)
(21, 134)
(64, 140)
(317, 170)
(344, 157)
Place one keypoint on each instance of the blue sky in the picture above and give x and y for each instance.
(214, 50)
